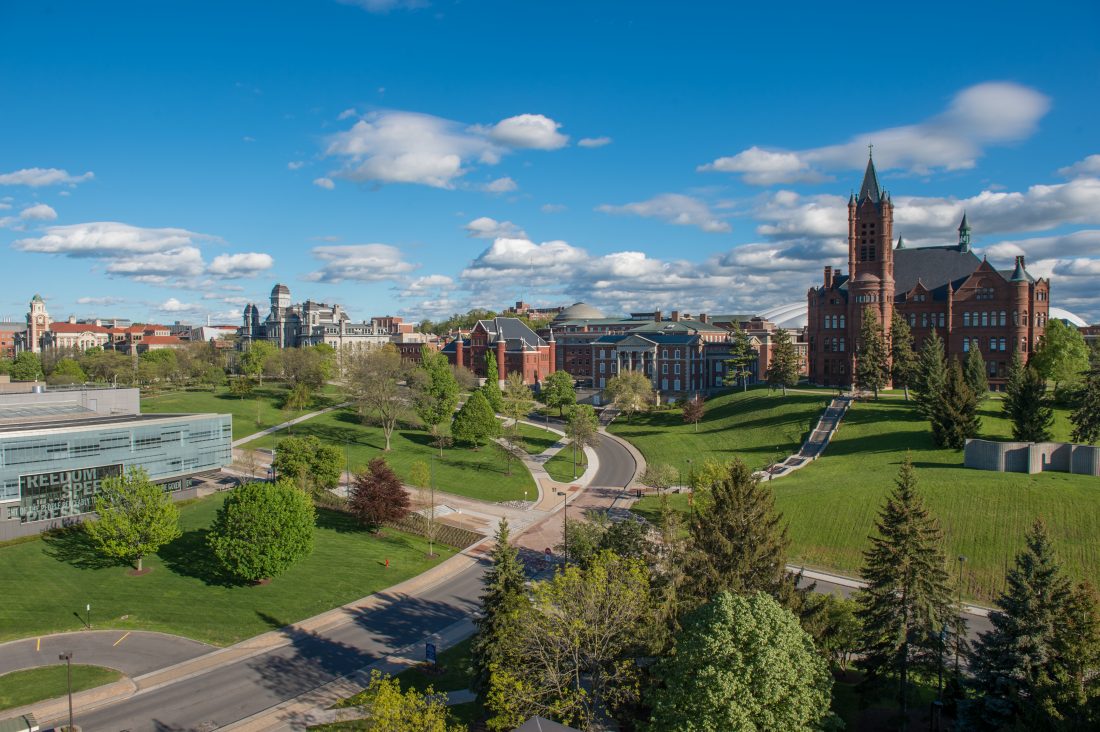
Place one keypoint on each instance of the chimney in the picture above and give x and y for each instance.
(828, 276)
(657, 316)
(704, 318)
(675, 316)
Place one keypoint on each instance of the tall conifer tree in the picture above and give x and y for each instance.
(974, 372)
(873, 357)
(784, 367)
(741, 358)
(930, 375)
(907, 599)
(903, 360)
(1086, 408)
(1027, 403)
(955, 412)
(503, 596)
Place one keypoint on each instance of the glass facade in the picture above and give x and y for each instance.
(58, 469)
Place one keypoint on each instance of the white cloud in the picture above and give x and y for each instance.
(552, 208)
(1088, 166)
(489, 228)
(674, 208)
(104, 238)
(594, 141)
(182, 262)
(347, 114)
(409, 147)
(325, 183)
(533, 131)
(246, 264)
(295, 164)
(501, 185)
(979, 116)
(172, 305)
(38, 212)
(106, 300)
(385, 6)
(429, 284)
(37, 177)
(360, 263)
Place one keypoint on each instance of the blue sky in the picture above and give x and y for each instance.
(173, 160)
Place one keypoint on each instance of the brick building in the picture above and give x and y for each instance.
(517, 348)
(970, 303)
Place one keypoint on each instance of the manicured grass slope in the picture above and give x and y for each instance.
(477, 474)
(38, 684)
(749, 425)
(560, 466)
(831, 505)
(258, 411)
(184, 593)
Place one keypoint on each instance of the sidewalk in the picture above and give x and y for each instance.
(288, 423)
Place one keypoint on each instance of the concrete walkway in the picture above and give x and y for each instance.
(827, 426)
(288, 423)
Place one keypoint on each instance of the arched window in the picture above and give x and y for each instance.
(1025, 318)
(1015, 317)
(966, 320)
(841, 321)
(924, 320)
(1002, 318)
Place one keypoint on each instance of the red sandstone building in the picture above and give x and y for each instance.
(517, 348)
(948, 289)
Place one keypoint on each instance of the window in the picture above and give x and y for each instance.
(993, 344)
(912, 320)
(664, 353)
(676, 368)
(1015, 317)
(1023, 345)
(966, 320)
(664, 384)
(941, 320)
(841, 344)
(924, 320)
(1025, 318)
(985, 320)
(827, 344)
(966, 345)
(676, 353)
(602, 364)
(676, 385)
(1002, 318)
(664, 368)
(1003, 348)
(841, 321)
(992, 366)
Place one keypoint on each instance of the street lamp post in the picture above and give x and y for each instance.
(565, 526)
(431, 512)
(958, 626)
(67, 657)
(347, 469)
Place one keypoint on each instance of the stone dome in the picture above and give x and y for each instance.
(280, 289)
(867, 277)
(580, 311)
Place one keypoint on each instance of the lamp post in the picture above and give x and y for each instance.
(67, 657)
(565, 526)
(347, 469)
(431, 512)
(958, 626)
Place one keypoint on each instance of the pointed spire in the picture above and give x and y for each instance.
(901, 243)
(1020, 274)
(870, 188)
(964, 235)
(852, 198)
(963, 226)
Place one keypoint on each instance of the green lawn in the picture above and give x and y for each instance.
(46, 682)
(474, 473)
(536, 440)
(258, 411)
(831, 505)
(560, 466)
(751, 425)
(185, 593)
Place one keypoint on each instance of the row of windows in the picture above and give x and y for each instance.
(995, 344)
(834, 321)
(926, 320)
(867, 298)
(987, 319)
(664, 353)
(833, 345)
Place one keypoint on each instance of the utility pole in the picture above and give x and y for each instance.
(958, 627)
(67, 657)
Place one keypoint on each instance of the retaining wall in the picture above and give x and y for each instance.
(1032, 457)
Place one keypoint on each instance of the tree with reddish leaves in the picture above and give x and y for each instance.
(694, 409)
(377, 496)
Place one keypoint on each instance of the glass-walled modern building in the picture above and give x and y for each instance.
(55, 453)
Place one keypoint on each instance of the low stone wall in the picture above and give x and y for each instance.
(1032, 457)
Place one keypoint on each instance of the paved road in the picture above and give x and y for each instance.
(133, 653)
(240, 689)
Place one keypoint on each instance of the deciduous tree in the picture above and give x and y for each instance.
(136, 517)
(693, 410)
(582, 429)
(26, 367)
(309, 462)
(475, 424)
(907, 599)
(1061, 355)
(377, 496)
(254, 360)
(742, 662)
(630, 392)
(1027, 403)
(518, 401)
(262, 529)
(67, 371)
(558, 391)
(387, 709)
(784, 365)
(436, 394)
(903, 360)
(375, 378)
(873, 354)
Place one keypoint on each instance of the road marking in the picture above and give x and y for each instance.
(37, 644)
(120, 640)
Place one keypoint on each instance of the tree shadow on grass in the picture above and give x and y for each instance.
(338, 521)
(190, 556)
(74, 546)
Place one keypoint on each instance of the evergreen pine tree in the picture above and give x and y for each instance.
(907, 599)
(955, 416)
(930, 374)
(741, 357)
(739, 542)
(1086, 408)
(491, 388)
(974, 372)
(873, 356)
(903, 360)
(504, 594)
(1032, 669)
(1027, 403)
(783, 370)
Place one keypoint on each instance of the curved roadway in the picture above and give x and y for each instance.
(242, 688)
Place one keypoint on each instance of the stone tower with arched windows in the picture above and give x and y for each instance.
(38, 323)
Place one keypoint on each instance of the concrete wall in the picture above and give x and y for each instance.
(1032, 457)
(101, 401)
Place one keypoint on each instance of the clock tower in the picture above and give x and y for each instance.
(38, 322)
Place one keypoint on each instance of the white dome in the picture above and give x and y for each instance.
(1062, 314)
(791, 316)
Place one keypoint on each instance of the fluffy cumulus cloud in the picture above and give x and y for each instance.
(38, 177)
(327, 183)
(409, 147)
(150, 255)
(106, 300)
(979, 116)
(38, 212)
(501, 185)
(359, 263)
(246, 264)
(1089, 166)
(594, 141)
(172, 305)
(428, 285)
(674, 208)
(485, 227)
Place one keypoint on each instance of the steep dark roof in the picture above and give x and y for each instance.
(515, 332)
(934, 267)
(870, 188)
